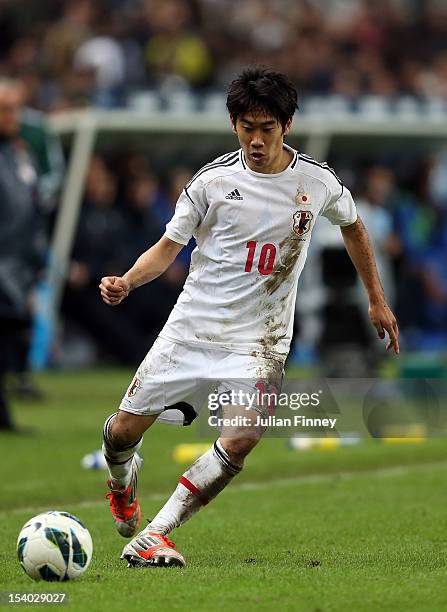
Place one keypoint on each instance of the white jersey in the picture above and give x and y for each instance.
(252, 232)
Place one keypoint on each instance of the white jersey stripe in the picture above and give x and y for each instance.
(232, 157)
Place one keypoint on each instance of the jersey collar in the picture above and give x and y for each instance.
(289, 168)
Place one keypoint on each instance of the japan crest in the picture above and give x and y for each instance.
(302, 220)
(136, 384)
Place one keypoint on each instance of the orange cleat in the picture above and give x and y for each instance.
(152, 549)
(124, 504)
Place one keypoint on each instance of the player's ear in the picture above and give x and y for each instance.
(233, 120)
(287, 127)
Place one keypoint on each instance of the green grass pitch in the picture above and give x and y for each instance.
(361, 528)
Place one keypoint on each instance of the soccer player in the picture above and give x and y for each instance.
(252, 213)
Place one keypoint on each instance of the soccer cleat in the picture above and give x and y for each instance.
(124, 504)
(152, 549)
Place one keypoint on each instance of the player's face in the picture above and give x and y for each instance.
(261, 138)
(9, 110)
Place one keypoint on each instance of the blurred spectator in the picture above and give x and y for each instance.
(22, 243)
(374, 207)
(434, 282)
(147, 210)
(104, 56)
(46, 150)
(174, 48)
(64, 37)
(99, 249)
(416, 224)
(112, 233)
(178, 271)
(146, 201)
(430, 265)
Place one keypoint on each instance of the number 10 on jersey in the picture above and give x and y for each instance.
(266, 259)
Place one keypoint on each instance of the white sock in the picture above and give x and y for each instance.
(119, 461)
(207, 477)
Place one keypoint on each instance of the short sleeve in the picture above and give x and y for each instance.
(189, 213)
(339, 208)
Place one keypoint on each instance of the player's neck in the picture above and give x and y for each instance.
(283, 160)
(279, 163)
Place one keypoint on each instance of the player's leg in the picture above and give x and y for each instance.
(204, 480)
(142, 403)
(201, 483)
(214, 470)
(122, 438)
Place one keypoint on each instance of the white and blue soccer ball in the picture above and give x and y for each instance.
(54, 546)
(94, 460)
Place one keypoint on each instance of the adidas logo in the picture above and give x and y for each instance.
(234, 195)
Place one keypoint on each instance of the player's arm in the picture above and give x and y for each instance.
(151, 264)
(361, 253)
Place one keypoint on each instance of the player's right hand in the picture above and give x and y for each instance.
(114, 289)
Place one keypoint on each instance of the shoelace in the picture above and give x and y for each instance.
(162, 537)
(167, 541)
(117, 502)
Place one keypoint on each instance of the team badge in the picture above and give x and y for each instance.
(302, 220)
(301, 198)
(136, 384)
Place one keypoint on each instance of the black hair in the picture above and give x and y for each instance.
(261, 89)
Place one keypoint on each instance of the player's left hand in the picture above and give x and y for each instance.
(384, 320)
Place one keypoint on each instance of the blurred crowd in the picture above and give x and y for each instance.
(124, 212)
(70, 53)
(77, 52)
(403, 203)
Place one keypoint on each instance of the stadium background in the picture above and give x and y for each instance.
(372, 86)
(132, 95)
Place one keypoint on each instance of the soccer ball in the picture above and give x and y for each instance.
(54, 546)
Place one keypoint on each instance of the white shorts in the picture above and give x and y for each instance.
(176, 379)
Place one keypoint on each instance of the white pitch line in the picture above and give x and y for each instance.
(398, 470)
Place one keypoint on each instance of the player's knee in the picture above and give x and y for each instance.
(120, 438)
(238, 447)
(125, 429)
